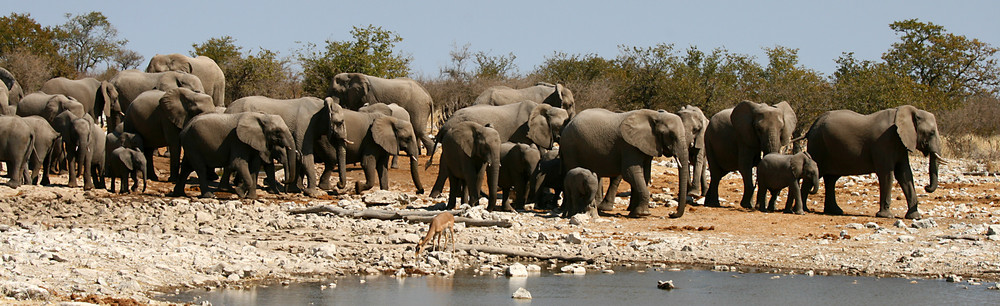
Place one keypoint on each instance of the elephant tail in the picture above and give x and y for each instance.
(430, 151)
(807, 132)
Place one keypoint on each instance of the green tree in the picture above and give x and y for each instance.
(126, 59)
(707, 80)
(784, 79)
(951, 67)
(89, 39)
(261, 74)
(565, 68)
(26, 48)
(222, 50)
(642, 71)
(372, 52)
(867, 86)
(494, 66)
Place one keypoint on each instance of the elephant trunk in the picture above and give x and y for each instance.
(815, 185)
(772, 144)
(933, 170)
(290, 160)
(683, 177)
(493, 179)
(412, 150)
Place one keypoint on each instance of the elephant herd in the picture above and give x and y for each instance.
(529, 144)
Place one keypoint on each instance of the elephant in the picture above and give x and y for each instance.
(371, 139)
(525, 122)
(777, 171)
(124, 162)
(469, 151)
(695, 124)
(48, 106)
(737, 137)
(356, 89)
(46, 140)
(158, 117)
(843, 142)
(16, 147)
(582, 190)
(518, 162)
(96, 96)
(240, 142)
(84, 144)
(5, 107)
(132, 83)
(548, 175)
(389, 110)
(613, 144)
(206, 69)
(14, 91)
(308, 119)
(556, 95)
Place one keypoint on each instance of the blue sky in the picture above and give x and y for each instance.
(532, 30)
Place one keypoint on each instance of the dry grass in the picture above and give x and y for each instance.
(985, 150)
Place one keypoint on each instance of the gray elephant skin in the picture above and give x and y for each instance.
(5, 107)
(206, 69)
(736, 139)
(389, 110)
(159, 116)
(356, 89)
(49, 106)
(14, 90)
(518, 162)
(778, 171)
(96, 96)
(16, 146)
(525, 122)
(132, 83)
(581, 192)
(308, 119)
(46, 140)
(556, 95)
(469, 151)
(613, 144)
(695, 124)
(371, 139)
(124, 163)
(240, 142)
(84, 142)
(847, 143)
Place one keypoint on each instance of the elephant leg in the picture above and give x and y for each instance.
(761, 196)
(253, 172)
(567, 205)
(180, 180)
(794, 202)
(271, 179)
(46, 170)
(807, 185)
(609, 197)
(150, 170)
(324, 180)
(904, 175)
(309, 171)
(225, 181)
(884, 194)
(830, 206)
(520, 194)
(748, 188)
(382, 167)
(440, 181)
(135, 181)
(395, 162)
(774, 199)
(175, 162)
(368, 164)
(454, 193)
(86, 168)
(639, 200)
(712, 193)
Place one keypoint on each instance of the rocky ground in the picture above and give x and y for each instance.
(60, 244)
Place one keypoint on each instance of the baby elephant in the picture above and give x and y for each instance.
(777, 171)
(581, 191)
(124, 162)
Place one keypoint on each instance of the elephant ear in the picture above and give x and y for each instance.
(465, 137)
(538, 126)
(171, 105)
(52, 107)
(126, 157)
(905, 126)
(359, 90)
(637, 130)
(384, 134)
(742, 119)
(797, 163)
(790, 121)
(250, 131)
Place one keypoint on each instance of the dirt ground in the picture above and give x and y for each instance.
(59, 243)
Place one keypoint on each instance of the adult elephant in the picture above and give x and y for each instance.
(46, 140)
(518, 163)
(843, 142)
(14, 90)
(158, 117)
(49, 106)
(96, 96)
(132, 83)
(5, 107)
(525, 122)
(356, 89)
(241, 142)
(393, 110)
(308, 119)
(736, 139)
(624, 144)
(371, 139)
(84, 143)
(206, 69)
(556, 95)
(468, 152)
(695, 124)
(16, 146)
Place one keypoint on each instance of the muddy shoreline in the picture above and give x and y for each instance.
(58, 242)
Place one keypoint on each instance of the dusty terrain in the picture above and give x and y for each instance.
(59, 243)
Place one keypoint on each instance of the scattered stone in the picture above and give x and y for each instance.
(952, 278)
(924, 223)
(608, 271)
(384, 197)
(23, 291)
(906, 238)
(521, 294)
(993, 229)
(810, 273)
(573, 238)
(686, 248)
(899, 224)
(871, 225)
(517, 270)
(854, 226)
(665, 285)
(579, 219)
(533, 268)
(327, 251)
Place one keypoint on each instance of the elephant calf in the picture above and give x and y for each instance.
(517, 163)
(582, 190)
(777, 171)
(125, 162)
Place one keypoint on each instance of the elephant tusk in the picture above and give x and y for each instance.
(413, 158)
(941, 160)
(348, 141)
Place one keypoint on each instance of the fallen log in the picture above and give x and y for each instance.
(408, 215)
(467, 221)
(522, 253)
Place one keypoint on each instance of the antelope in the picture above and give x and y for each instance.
(439, 224)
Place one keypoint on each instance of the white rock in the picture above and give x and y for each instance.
(579, 219)
(533, 268)
(327, 251)
(517, 270)
(899, 224)
(906, 238)
(521, 293)
(854, 226)
(993, 229)
(574, 238)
